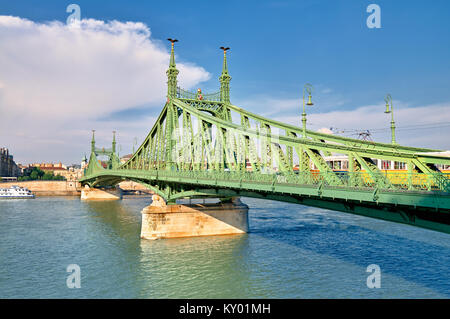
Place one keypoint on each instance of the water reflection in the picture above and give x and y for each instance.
(201, 267)
(122, 218)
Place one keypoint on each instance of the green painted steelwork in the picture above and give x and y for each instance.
(196, 149)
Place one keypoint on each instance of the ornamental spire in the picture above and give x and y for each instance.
(172, 72)
(225, 78)
(172, 53)
(225, 67)
(93, 142)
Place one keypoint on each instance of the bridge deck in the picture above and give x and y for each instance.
(276, 185)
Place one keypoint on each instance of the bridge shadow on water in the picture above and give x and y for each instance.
(416, 255)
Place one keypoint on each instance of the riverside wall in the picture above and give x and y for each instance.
(68, 188)
(48, 188)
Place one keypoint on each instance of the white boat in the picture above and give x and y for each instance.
(15, 192)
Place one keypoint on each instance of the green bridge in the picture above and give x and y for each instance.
(204, 146)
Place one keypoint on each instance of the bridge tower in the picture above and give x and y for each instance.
(171, 111)
(114, 160)
(225, 79)
(172, 73)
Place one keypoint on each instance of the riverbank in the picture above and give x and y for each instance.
(48, 188)
(70, 188)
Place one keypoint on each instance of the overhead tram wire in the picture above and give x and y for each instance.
(424, 126)
(418, 126)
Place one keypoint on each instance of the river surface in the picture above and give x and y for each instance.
(292, 251)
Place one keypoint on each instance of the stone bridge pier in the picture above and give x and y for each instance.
(88, 193)
(160, 220)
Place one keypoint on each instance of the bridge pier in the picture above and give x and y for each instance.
(160, 220)
(100, 194)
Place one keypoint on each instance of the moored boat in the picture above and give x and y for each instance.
(15, 192)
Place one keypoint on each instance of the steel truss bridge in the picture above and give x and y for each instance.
(204, 146)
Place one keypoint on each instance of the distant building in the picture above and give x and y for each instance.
(125, 158)
(54, 169)
(70, 174)
(49, 166)
(84, 162)
(22, 168)
(8, 168)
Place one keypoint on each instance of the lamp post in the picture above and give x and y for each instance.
(307, 88)
(390, 109)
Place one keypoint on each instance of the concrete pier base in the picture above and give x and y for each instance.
(100, 194)
(171, 221)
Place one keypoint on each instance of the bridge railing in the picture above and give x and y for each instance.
(183, 94)
(399, 181)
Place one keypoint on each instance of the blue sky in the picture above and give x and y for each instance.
(278, 46)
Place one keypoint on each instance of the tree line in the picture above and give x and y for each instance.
(36, 174)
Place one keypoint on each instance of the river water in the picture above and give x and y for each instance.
(292, 251)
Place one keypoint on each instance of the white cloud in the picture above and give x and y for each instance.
(325, 130)
(56, 78)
